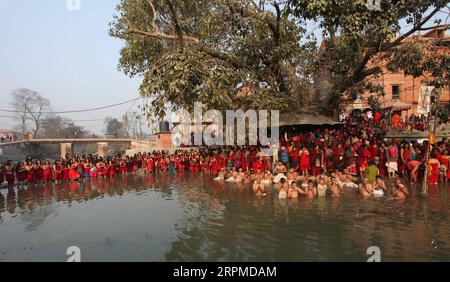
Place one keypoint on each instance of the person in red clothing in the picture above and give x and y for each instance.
(214, 166)
(144, 164)
(244, 164)
(304, 161)
(2, 173)
(80, 168)
(73, 171)
(65, 169)
(222, 161)
(21, 173)
(123, 167)
(377, 118)
(374, 151)
(257, 165)
(47, 170)
(87, 169)
(204, 164)
(30, 172)
(363, 159)
(163, 164)
(100, 168)
(382, 161)
(57, 172)
(294, 155)
(107, 168)
(433, 163)
(38, 172)
(338, 157)
(445, 161)
(317, 159)
(9, 173)
(405, 157)
(179, 164)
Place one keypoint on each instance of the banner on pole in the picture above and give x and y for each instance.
(423, 105)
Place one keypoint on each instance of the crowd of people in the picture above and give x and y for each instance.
(324, 161)
(8, 138)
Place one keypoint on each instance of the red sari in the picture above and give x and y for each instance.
(382, 165)
(30, 175)
(446, 163)
(21, 174)
(47, 173)
(363, 159)
(406, 155)
(150, 165)
(73, 172)
(112, 170)
(214, 167)
(66, 172)
(2, 176)
(433, 178)
(58, 173)
(38, 174)
(9, 175)
(304, 161)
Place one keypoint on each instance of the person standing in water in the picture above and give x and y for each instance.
(283, 189)
(399, 191)
(258, 187)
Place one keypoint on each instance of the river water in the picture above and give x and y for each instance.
(189, 217)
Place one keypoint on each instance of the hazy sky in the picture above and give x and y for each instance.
(67, 56)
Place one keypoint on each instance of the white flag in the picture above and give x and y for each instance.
(423, 105)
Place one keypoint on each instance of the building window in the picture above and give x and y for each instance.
(395, 91)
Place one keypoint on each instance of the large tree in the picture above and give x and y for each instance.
(359, 38)
(209, 50)
(114, 127)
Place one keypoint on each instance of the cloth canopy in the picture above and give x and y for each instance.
(306, 119)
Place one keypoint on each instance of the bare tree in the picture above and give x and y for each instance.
(133, 124)
(22, 98)
(29, 105)
(37, 111)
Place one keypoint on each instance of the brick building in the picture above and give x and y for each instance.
(402, 91)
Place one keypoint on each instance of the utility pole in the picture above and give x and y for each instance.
(432, 132)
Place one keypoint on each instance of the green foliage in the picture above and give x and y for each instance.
(114, 127)
(206, 50)
(357, 38)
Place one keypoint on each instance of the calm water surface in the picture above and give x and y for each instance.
(189, 217)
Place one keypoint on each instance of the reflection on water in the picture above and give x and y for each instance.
(189, 217)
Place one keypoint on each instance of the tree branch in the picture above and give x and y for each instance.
(433, 27)
(154, 25)
(397, 41)
(176, 24)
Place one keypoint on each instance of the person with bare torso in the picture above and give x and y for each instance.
(311, 191)
(258, 188)
(365, 188)
(399, 191)
(221, 175)
(335, 190)
(379, 187)
(283, 189)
